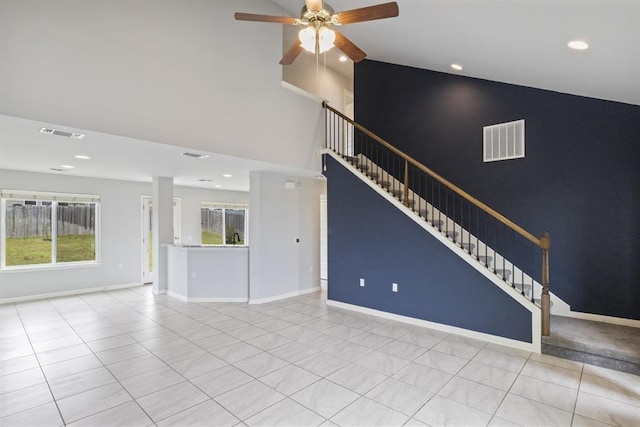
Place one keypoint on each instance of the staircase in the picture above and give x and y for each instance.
(477, 250)
(506, 251)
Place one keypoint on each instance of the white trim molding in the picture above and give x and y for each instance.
(535, 346)
(283, 296)
(197, 300)
(68, 293)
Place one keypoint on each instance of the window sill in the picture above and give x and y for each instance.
(65, 266)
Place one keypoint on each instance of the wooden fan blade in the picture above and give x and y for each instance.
(291, 54)
(313, 5)
(370, 13)
(349, 49)
(264, 18)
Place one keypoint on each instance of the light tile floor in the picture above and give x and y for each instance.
(130, 358)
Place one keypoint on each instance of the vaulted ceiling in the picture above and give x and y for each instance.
(523, 42)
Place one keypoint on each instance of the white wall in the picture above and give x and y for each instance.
(120, 227)
(312, 77)
(278, 265)
(183, 73)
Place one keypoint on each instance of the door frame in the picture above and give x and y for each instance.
(145, 227)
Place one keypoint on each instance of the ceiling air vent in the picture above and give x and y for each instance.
(195, 155)
(504, 141)
(72, 135)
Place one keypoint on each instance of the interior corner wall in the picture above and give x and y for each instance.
(372, 240)
(284, 224)
(314, 77)
(120, 231)
(579, 179)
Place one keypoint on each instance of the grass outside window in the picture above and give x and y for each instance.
(37, 250)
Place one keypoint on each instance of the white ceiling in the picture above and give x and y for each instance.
(523, 42)
(116, 157)
(515, 41)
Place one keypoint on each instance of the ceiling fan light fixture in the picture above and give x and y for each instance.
(326, 38)
(307, 38)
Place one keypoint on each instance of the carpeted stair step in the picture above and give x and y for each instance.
(504, 274)
(452, 234)
(351, 159)
(485, 259)
(437, 223)
(469, 247)
(527, 288)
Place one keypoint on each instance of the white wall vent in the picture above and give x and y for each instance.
(73, 135)
(504, 141)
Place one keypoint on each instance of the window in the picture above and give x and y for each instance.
(44, 229)
(224, 224)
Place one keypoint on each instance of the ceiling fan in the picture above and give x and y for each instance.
(317, 19)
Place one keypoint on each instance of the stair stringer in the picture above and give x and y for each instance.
(536, 315)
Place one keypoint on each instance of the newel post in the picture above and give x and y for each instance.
(545, 299)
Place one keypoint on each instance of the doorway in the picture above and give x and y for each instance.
(147, 234)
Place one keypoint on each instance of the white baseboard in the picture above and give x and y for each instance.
(507, 342)
(601, 318)
(283, 296)
(186, 299)
(68, 293)
(228, 299)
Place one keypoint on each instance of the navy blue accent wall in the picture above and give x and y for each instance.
(370, 238)
(580, 178)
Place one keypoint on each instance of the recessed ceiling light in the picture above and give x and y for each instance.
(343, 58)
(195, 155)
(82, 157)
(578, 45)
(217, 185)
(456, 67)
(227, 175)
(67, 166)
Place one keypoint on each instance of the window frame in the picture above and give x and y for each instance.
(224, 207)
(52, 199)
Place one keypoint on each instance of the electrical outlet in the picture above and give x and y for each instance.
(120, 266)
(362, 282)
(193, 274)
(394, 287)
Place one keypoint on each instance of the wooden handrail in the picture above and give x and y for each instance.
(506, 221)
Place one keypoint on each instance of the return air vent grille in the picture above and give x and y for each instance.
(72, 135)
(195, 155)
(504, 141)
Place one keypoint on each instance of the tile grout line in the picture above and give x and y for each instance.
(55, 401)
